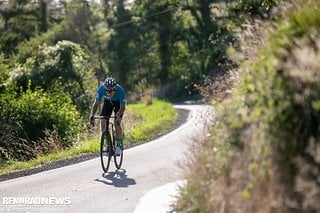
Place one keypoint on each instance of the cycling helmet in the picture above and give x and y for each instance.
(110, 83)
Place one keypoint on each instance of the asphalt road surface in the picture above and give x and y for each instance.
(151, 172)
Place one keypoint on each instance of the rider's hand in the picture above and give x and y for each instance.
(91, 120)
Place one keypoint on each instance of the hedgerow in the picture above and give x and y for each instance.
(36, 122)
(263, 153)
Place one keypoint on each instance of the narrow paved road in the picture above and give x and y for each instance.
(83, 188)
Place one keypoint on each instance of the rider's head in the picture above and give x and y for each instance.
(110, 84)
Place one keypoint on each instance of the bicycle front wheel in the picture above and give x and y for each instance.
(105, 151)
(118, 160)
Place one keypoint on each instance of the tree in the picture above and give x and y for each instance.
(159, 18)
(43, 5)
(23, 19)
(119, 43)
(19, 23)
(84, 25)
(4, 70)
(210, 38)
(64, 65)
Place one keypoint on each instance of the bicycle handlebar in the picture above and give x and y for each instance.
(103, 117)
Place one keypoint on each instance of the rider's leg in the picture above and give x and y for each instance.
(117, 125)
(118, 128)
(118, 137)
(106, 111)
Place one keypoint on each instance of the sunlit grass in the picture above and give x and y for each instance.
(150, 121)
(87, 147)
(142, 122)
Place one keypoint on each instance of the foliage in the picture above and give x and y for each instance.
(172, 58)
(208, 36)
(30, 48)
(135, 116)
(26, 116)
(254, 7)
(22, 20)
(119, 43)
(64, 64)
(168, 43)
(264, 148)
(84, 25)
(4, 70)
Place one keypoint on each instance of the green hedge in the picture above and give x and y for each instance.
(36, 122)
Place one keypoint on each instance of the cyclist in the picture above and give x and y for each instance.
(114, 100)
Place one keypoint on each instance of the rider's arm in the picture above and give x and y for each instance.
(122, 100)
(97, 101)
(95, 107)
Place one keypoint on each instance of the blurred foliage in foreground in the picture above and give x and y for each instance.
(263, 152)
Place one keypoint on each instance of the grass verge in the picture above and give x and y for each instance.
(142, 123)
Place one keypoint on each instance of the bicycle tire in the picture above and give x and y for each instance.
(105, 156)
(118, 159)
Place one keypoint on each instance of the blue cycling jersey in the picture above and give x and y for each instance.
(119, 94)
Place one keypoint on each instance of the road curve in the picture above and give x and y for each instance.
(83, 187)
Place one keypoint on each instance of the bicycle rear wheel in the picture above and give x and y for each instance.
(105, 151)
(118, 160)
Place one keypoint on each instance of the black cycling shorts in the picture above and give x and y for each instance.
(109, 106)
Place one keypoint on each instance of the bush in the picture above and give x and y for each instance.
(31, 116)
(253, 7)
(63, 64)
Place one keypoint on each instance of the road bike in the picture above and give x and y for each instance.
(107, 145)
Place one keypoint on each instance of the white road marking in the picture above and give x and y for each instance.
(158, 200)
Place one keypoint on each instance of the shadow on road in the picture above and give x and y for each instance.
(118, 178)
